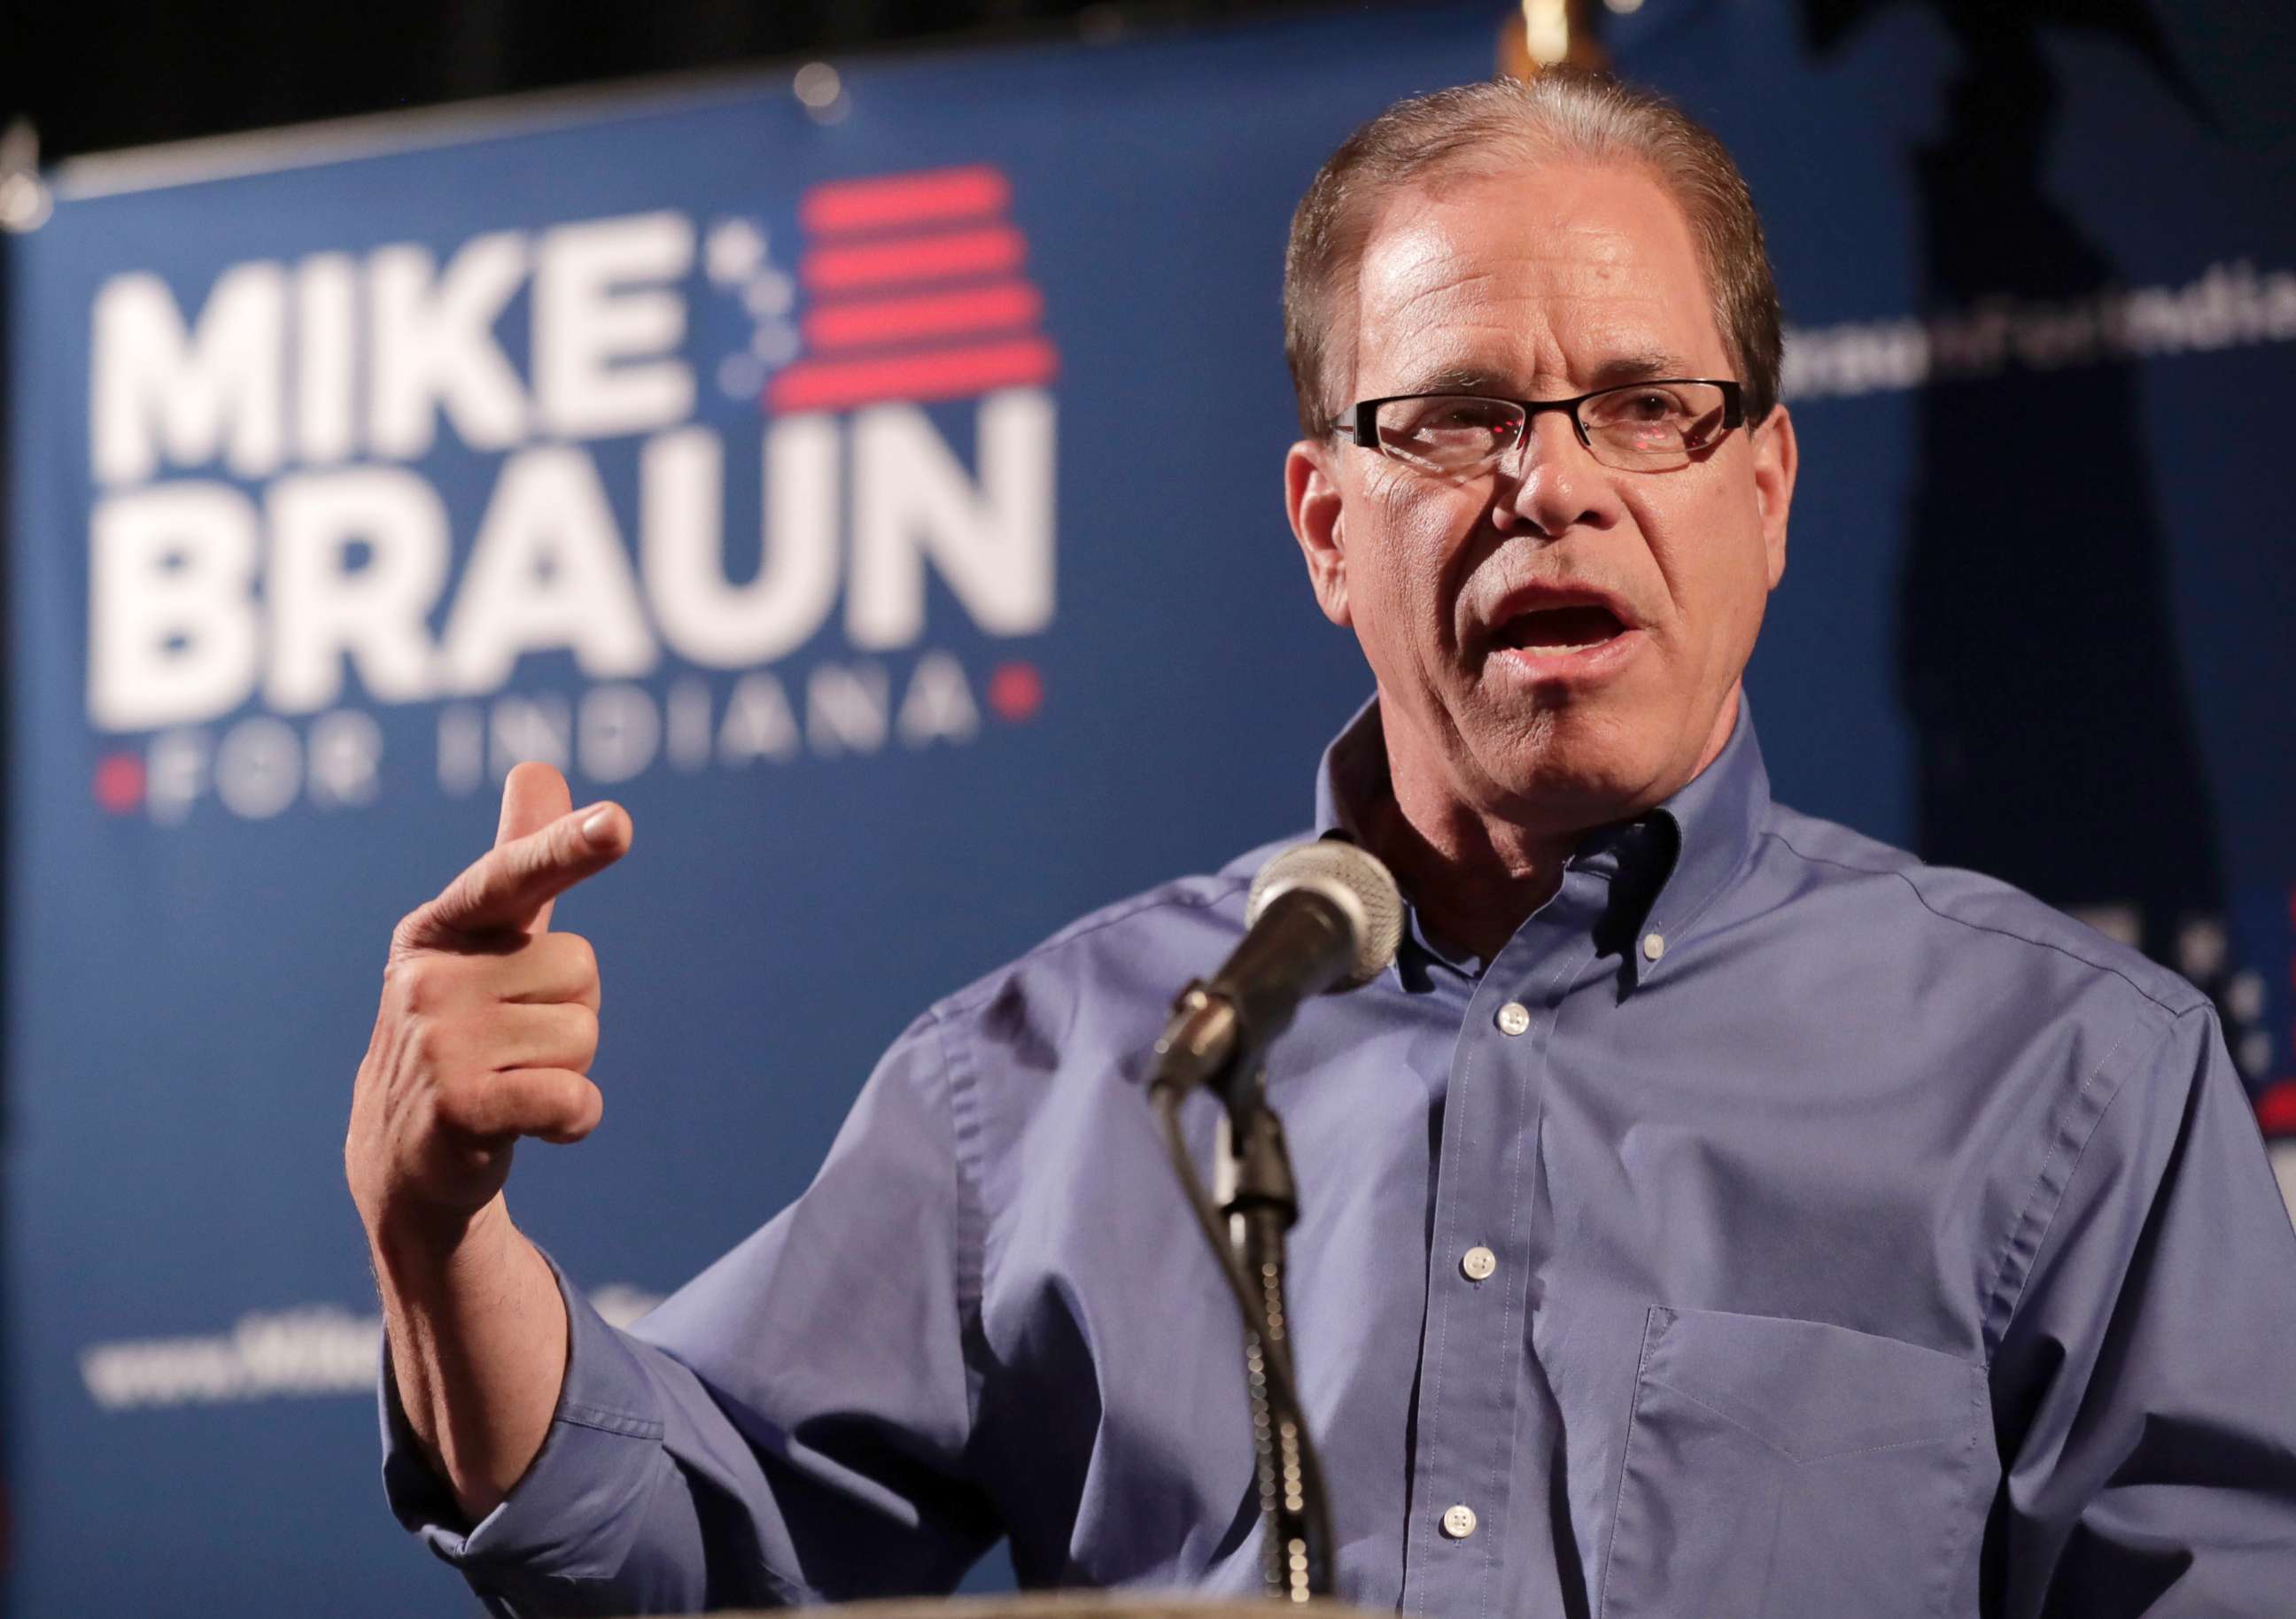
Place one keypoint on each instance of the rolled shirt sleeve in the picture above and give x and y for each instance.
(2146, 1385)
(790, 1426)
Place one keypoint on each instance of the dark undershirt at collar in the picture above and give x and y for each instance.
(1665, 867)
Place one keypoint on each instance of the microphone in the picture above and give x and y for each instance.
(1323, 917)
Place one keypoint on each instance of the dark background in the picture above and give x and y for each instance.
(118, 73)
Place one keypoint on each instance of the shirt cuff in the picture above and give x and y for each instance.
(570, 1515)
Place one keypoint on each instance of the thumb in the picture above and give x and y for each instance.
(534, 795)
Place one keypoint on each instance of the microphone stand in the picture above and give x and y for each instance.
(1295, 1547)
(1247, 1233)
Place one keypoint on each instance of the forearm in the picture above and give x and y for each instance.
(477, 1339)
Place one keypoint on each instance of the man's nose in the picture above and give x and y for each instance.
(1551, 481)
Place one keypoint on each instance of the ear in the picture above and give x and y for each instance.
(1312, 500)
(1776, 461)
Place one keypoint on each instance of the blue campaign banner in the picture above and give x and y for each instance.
(880, 499)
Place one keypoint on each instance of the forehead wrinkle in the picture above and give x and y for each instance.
(1564, 248)
(1585, 295)
(1428, 346)
(1483, 317)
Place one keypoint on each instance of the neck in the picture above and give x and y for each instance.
(1474, 876)
(1473, 882)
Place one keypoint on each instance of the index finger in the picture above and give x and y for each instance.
(509, 886)
(534, 795)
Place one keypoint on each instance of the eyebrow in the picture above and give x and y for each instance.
(1610, 373)
(1464, 378)
(1639, 367)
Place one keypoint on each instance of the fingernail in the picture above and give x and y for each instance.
(594, 825)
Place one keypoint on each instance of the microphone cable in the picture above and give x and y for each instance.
(1281, 1394)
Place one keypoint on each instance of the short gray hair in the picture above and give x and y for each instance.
(1560, 114)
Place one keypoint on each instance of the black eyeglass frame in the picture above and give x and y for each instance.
(1364, 430)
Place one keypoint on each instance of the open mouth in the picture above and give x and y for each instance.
(1555, 630)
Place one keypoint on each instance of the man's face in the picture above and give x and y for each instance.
(1557, 643)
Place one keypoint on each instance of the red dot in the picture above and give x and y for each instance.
(1016, 690)
(2276, 1109)
(120, 782)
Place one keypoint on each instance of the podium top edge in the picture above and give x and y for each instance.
(1083, 1605)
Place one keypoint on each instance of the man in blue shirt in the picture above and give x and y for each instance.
(1711, 1210)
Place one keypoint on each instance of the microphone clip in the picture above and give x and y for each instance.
(1200, 1044)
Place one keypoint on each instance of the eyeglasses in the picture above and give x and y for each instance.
(1641, 427)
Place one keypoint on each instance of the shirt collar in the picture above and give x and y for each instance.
(1714, 822)
(1353, 774)
(1666, 867)
(1352, 778)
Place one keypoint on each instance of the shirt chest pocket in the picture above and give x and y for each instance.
(1788, 1467)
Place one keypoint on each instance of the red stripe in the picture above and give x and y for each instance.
(936, 194)
(945, 373)
(996, 249)
(1011, 302)
(2276, 1109)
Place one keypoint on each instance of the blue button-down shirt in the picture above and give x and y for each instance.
(1863, 1238)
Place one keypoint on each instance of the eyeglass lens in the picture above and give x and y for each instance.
(1643, 427)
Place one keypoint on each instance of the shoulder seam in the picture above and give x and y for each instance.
(2010, 1276)
(1961, 922)
(2006, 1296)
(967, 999)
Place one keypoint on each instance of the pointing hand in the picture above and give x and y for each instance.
(489, 1022)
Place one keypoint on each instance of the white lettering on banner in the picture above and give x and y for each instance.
(847, 710)
(433, 347)
(522, 727)
(175, 774)
(758, 724)
(358, 562)
(703, 618)
(159, 391)
(606, 323)
(2228, 306)
(326, 350)
(323, 609)
(689, 725)
(462, 748)
(911, 498)
(344, 759)
(939, 705)
(258, 769)
(616, 733)
(604, 358)
(548, 569)
(172, 626)
(260, 765)
(313, 1350)
(335, 578)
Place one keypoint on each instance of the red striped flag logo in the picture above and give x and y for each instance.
(915, 289)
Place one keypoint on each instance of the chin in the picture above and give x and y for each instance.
(1571, 767)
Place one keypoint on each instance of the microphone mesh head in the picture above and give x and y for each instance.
(1351, 880)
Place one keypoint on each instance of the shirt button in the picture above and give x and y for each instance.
(1653, 946)
(1459, 1521)
(1514, 1018)
(1478, 1263)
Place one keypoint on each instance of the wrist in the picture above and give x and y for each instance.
(413, 1243)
